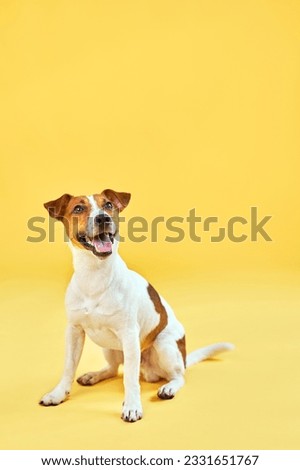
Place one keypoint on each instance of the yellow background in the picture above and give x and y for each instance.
(184, 104)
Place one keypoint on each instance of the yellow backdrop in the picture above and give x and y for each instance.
(185, 104)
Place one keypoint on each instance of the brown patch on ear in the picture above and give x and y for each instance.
(163, 320)
(181, 346)
(120, 200)
(58, 207)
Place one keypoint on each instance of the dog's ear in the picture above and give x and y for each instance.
(120, 200)
(58, 207)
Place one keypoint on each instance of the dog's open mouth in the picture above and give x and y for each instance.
(100, 245)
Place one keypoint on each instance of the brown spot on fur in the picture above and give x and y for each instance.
(120, 200)
(58, 207)
(163, 320)
(62, 209)
(76, 223)
(114, 212)
(181, 346)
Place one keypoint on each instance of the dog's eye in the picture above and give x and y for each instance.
(78, 209)
(108, 205)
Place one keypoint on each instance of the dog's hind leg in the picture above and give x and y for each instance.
(114, 359)
(149, 370)
(170, 366)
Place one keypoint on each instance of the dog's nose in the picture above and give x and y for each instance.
(102, 219)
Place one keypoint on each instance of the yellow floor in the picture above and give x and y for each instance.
(248, 398)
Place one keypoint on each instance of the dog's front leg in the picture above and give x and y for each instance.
(132, 407)
(74, 345)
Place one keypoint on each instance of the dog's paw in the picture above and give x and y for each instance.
(165, 392)
(55, 397)
(90, 378)
(132, 413)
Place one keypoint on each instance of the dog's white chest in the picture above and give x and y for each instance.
(100, 316)
(100, 329)
(104, 337)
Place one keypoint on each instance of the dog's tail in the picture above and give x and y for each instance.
(207, 352)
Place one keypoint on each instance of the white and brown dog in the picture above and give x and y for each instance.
(117, 308)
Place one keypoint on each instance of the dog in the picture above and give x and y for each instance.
(117, 308)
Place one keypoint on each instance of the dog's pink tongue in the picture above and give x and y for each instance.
(102, 247)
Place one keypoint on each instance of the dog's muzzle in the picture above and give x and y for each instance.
(101, 240)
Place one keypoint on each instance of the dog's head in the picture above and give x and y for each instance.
(91, 222)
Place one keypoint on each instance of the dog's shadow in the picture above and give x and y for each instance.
(114, 387)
